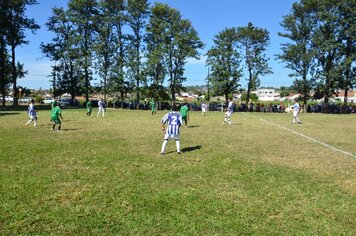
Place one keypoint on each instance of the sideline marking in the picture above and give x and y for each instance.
(307, 137)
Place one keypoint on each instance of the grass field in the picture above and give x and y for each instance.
(104, 176)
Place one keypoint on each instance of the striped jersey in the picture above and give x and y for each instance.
(174, 121)
(230, 107)
(296, 107)
(101, 104)
(31, 110)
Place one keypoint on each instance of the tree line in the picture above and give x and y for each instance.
(133, 46)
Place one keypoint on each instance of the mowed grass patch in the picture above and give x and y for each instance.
(105, 176)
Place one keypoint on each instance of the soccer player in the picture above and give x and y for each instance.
(153, 106)
(89, 108)
(184, 111)
(173, 120)
(32, 114)
(296, 109)
(228, 113)
(101, 105)
(203, 108)
(55, 114)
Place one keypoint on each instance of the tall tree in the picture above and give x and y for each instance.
(62, 50)
(82, 13)
(137, 14)
(253, 42)
(4, 56)
(104, 44)
(347, 22)
(115, 11)
(298, 54)
(326, 44)
(183, 42)
(18, 23)
(224, 61)
(155, 66)
(171, 40)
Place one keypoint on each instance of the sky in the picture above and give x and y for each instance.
(208, 17)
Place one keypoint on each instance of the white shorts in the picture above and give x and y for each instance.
(33, 117)
(295, 113)
(228, 114)
(171, 136)
(203, 109)
(101, 109)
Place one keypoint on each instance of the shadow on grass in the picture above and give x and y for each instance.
(190, 149)
(193, 126)
(69, 129)
(9, 113)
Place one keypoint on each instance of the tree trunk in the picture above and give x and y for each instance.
(86, 83)
(72, 84)
(14, 75)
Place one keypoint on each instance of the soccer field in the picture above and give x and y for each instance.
(104, 176)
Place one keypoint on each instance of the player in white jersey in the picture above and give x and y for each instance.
(204, 107)
(228, 113)
(101, 105)
(32, 114)
(296, 108)
(174, 121)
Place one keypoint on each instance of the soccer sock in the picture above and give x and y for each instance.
(178, 145)
(54, 126)
(164, 145)
(28, 122)
(59, 127)
(35, 123)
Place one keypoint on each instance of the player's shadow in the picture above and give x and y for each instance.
(9, 113)
(190, 149)
(193, 126)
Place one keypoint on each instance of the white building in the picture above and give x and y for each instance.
(351, 96)
(267, 95)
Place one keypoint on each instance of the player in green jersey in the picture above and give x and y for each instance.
(89, 108)
(55, 114)
(184, 111)
(153, 106)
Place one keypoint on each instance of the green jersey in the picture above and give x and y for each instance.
(153, 106)
(184, 111)
(89, 104)
(56, 111)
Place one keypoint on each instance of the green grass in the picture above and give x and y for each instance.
(104, 176)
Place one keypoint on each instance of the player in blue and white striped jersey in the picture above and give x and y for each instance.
(296, 108)
(32, 114)
(228, 113)
(174, 121)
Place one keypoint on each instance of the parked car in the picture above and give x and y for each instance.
(64, 102)
(25, 100)
(220, 107)
(193, 107)
(9, 99)
(48, 100)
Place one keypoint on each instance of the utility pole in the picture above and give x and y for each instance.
(208, 80)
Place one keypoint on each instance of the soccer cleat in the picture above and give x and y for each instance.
(300, 122)
(161, 153)
(179, 152)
